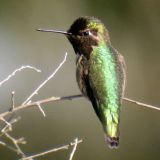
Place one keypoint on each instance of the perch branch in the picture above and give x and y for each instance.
(141, 104)
(52, 99)
(44, 101)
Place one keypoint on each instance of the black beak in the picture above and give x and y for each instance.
(55, 31)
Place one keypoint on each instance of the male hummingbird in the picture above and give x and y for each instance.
(100, 72)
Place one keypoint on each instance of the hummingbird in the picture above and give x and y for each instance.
(100, 72)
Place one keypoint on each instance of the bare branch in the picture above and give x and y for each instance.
(44, 82)
(52, 99)
(9, 147)
(8, 126)
(40, 108)
(16, 144)
(18, 70)
(53, 150)
(12, 100)
(44, 101)
(74, 149)
(141, 104)
(7, 123)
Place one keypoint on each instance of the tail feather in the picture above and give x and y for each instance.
(112, 142)
(111, 128)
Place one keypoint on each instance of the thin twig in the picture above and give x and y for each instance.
(52, 150)
(141, 104)
(40, 108)
(12, 100)
(8, 127)
(44, 101)
(52, 99)
(74, 149)
(18, 70)
(5, 121)
(5, 132)
(16, 144)
(45, 81)
(9, 147)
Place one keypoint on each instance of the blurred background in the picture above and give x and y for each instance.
(134, 31)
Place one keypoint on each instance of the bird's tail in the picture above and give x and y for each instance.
(112, 142)
(111, 129)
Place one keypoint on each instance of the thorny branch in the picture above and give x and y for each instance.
(28, 104)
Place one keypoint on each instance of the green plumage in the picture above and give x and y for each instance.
(104, 81)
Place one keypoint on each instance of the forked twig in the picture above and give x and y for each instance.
(33, 104)
(45, 81)
(40, 108)
(74, 149)
(7, 146)
(16, 144)
(52, 99)
(52, 150)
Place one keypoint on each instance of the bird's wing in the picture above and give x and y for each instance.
(92, 97)
(121, 69)
(82, 75)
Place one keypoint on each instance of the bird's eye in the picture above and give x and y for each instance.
(86, 33)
